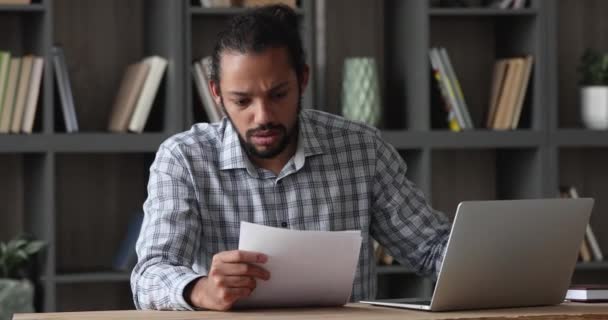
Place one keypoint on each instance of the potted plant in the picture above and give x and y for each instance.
(593, 69)
(16, 291)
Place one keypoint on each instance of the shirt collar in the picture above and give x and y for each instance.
(232, 155)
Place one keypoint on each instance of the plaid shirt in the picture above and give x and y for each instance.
(343, 176)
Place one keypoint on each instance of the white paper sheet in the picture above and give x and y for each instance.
(307, 268)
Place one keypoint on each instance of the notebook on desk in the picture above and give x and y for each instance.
(510, 253)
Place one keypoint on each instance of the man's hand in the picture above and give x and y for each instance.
(232, 276)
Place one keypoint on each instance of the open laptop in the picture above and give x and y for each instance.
(510, 253)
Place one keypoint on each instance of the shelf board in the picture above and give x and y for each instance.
(393, 269)
(107, 142)
(199, 11)
(22, 8)
(481, 12)
(592, 266)
(107, 276)
(24, 143)
(444, 139)
(581, 138)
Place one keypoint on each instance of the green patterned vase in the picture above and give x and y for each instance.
(16, 296)
(360, 90)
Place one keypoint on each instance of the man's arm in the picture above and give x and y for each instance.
(169, 238)
(403, 222)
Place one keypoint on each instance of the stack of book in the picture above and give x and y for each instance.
(244, 3)
(455, 105)
(509, 85)
(201, 71)
(136, 94)
(590, 249)
(20, 79)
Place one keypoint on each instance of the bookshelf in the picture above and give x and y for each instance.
(77, 191)
(550, 147)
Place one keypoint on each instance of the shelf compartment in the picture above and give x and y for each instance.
(110, 188)
(473, 57)
(100, 40)
(583, 168)
(484, 174)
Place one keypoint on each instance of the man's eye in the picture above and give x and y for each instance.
(279, 95)
(241, 102)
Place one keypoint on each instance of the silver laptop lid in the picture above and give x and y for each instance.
(511, 253)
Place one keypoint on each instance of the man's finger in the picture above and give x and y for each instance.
(236, 256)
(242, 269)
(239, 282)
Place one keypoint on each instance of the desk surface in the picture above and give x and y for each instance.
(351, 311)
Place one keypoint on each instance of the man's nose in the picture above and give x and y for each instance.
(263, 113)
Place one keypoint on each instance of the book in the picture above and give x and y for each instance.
(22, 89)
(498, 78)
(521, 91)
(255, 3)
(15, 2)
(449, 108)
(126, 99)
(126, 257)
(65, 90)
(588, 293)
(148, 93)
(438, 64)
(11, 91)
(453, 79)
(504, 110)
(5, 62)
(201, 81)
(33, 95)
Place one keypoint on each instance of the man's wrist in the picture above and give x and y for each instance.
(190, 295)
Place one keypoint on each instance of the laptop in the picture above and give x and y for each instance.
(510, 253)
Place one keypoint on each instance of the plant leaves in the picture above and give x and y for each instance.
(33, 247)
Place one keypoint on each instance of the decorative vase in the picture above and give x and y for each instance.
(594, 107)
(16, 296)
(360, 90)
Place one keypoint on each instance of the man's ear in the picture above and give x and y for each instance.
(305, 77)
(215, 92)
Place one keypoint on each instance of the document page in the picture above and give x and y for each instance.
(307, 268)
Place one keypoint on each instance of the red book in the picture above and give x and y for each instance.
(588, 293)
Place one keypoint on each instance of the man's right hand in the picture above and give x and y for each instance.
(232, 276)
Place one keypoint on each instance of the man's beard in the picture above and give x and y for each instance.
(287, 135)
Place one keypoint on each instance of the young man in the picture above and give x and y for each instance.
(273, 163)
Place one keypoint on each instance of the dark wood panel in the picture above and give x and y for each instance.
(462, 175)
(586, 170)
(581, 25)
(96, 195)
(100, 38)
(94, 297)
(354, 28)
(11, 196)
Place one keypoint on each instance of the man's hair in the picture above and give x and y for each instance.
(258, 29)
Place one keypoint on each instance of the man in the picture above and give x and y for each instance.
(273, 163)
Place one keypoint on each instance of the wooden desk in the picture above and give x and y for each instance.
(570, 311)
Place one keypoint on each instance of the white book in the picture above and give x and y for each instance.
(65, 90)
(588, 293)
(205, 64)
(451, 75)
(595, 247)
(22, 89)
(148, 92)
(33, 95)
(204, 93)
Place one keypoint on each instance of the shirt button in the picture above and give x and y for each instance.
(284, 224)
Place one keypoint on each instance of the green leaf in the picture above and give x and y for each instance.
(33, 247)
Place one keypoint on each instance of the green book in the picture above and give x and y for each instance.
(5, 59)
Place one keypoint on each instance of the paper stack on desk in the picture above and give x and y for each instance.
(307, 268)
